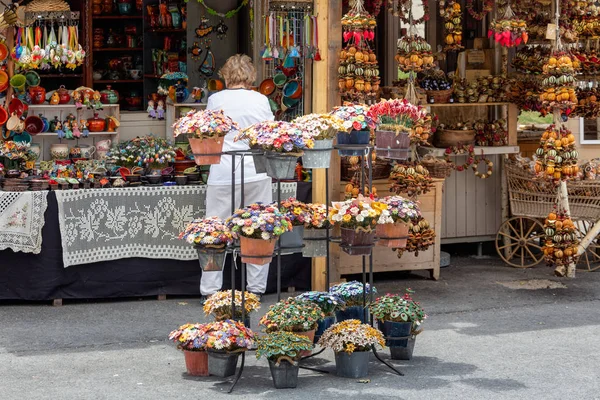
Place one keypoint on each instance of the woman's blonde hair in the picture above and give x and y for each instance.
(238, 70)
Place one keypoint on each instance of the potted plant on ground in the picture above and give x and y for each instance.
(351, 342)
(283, 350)
(358, 126)
(315, 231)
(296, 211)
(399, 317)
(283, 143)
(358, 219)
(205, 130)
(352, 295)
(257, 226)
(190, 339)
(394, 231)
(225, 341)
(329, 303)
(321, 128)
(219, 305)
(210, 236)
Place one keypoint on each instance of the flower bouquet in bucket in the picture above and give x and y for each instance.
(315, 231)
(354, 296)
(257, 226)
(399, 317)
(351, 341)
(205, 130)
(357, 124)
(210, 236)
(219, 305)
(394, 231)
(225, 340)
(322, 128)
(296, 211)
(191, 340)
(329, 304)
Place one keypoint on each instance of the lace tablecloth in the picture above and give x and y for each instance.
(110, 224)
(22, 220)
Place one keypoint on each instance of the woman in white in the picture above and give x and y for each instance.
(246, 107)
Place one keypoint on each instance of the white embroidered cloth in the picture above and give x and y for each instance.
(110, 224)
(22, 220)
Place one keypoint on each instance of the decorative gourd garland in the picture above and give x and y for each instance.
(452, 15)
(458, 150)
(228, 14)
(488, 6)
(490, 168)
(561, 242)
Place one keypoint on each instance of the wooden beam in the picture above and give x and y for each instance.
(325, 96)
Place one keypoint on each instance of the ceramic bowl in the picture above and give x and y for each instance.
(133, 178)
(292, 89)
(267, 87)
(181, 179)
(154, 179)
(192, 176)
(34, 125)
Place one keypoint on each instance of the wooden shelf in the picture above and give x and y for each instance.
(152, 76)
(120, 81)
(117, 17)
(91, 134)
(42, 75)
(467, 104)
(36, 106)
(487, 150)
(167, 30)
(106, 49)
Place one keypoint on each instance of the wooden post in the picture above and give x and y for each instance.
(325, 96)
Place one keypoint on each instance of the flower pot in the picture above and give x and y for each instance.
(222, 363)
(392, 235)
(315, 158)
(212, 146)
(256, 251)
(311, 336)
(392, 145)
(285, 375)
(291, 242)
(322, 326)
(353, 138)
(315, 243)
(211, 259)
(353, 312)
(196, 362)
(354, 365)
(281, 166)
(400, 349)
(260, 164)
(357, 242)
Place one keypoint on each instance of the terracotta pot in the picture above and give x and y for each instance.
(96, 124)
(357, 242)
(311, 335)
(63, 95)
(256, 251)
(38, 95)
(206, 146)
(196, 362)
(392, 235)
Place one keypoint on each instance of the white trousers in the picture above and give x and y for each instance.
(218, 204)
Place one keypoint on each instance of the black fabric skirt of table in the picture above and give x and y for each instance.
(42, 276)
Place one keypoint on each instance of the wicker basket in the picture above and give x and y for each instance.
(381, 169)
(448, 138)
(47, 6)
(437, 168)
(440, 96)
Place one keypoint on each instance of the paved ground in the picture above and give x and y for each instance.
(487, 337)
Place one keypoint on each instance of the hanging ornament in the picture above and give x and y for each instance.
(414, 53)
(556, 158)
(204, 29)
(195, 51)
(403, 10)
(488, 6)
(452, 15)
(561, 242)
(508, 31)
(221, 29)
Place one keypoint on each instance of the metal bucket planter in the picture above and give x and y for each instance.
(209, 146)
(353, 138)
(315, 243)
(392, 145)
(285, 375)
(354, 365)
(222, 363)
(357, 242)
(291, 242)
(353, 312)
(196, 362)
(322, 326)
(318, 157)
(400, 349)
(260, 165)
(211, 259)
(281, 166)
(392, 235)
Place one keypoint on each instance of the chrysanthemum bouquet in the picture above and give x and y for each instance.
(317, 216)
(292, 315)
(277, 136)
(279, 345)
(352, 292)
(397, 308)
(295, 210)
(320, 126)
(327, 301)
(190, 337)
(355, 117)
(350, 336)
(258, 221)
(228, 336)
(361, 212)
(211, 232)
(219, 304)
(142, 152)
(389, 114)
(401, 209)
(204, 124)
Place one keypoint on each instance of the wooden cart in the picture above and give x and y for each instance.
(519, 239)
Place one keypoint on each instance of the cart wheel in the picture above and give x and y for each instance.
(590, 260)
(519, 242)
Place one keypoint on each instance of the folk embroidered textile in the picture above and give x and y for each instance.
(22, 220)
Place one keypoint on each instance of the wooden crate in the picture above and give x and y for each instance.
(384, 259)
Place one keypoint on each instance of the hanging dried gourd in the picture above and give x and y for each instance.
(420, 237)
(508, 31)
(588, 106)
(556, 157)
(414, 53)
(452, 14)
(559, 81)
(410, 180)
(561, 241)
